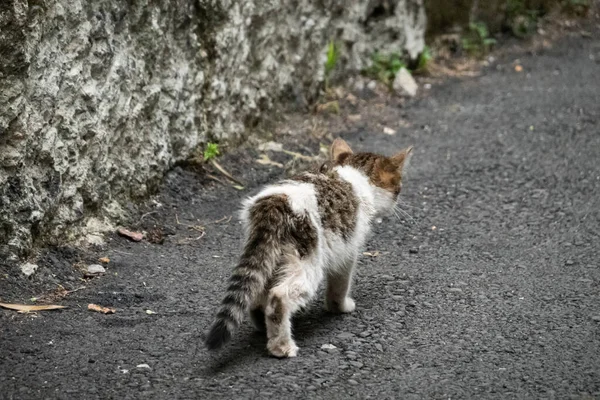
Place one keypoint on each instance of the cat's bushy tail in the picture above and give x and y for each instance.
(250, 277)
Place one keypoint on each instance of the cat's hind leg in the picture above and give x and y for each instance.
(339, 280)
(295, 287)
(257, 313)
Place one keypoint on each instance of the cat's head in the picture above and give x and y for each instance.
(384, 173)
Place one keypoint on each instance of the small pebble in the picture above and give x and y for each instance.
(95, 269)
(352, 382)
(413, 250)
(359, 85)
(328, 346)
(379, 347)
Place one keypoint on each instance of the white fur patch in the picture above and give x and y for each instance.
(301, 197)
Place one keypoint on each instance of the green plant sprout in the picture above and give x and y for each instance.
(333, 54)
(424, 59)
(385, 67)
(477, 41)
(211, 151)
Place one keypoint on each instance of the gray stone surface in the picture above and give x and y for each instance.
(28, 269)
(95, 269)
(405, 84)
(99, 98)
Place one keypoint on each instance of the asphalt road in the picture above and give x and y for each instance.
(490, 290)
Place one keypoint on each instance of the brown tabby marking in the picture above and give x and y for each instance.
(276, 304)
(337, 203)
(273, 213)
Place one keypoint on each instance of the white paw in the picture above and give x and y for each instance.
(281, 349)
(335, 307)
(348, 306)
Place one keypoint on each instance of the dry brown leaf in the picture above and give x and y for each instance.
(22, 308)
(270, 146)
(265, 160)
(100, 309)
(104, 260)
(300, 156)
(518, 68)
(135, 236)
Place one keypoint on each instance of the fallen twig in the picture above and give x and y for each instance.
(198, 228)
(189, 240)
(224, 172)
(225, 219)
(215, 178)
(145, 215)
(76, 289)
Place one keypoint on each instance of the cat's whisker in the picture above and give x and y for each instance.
(398, 216)
(403, 204)
(397, 210)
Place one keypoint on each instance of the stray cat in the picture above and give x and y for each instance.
(300, 231)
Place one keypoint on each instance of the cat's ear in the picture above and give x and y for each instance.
(339, 147)
(402, 157)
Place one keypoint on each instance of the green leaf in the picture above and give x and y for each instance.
(211, 151)
(332, 57)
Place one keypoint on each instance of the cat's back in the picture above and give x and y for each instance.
(325, 196)
(337, 203)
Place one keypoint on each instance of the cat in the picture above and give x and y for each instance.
(301, 231)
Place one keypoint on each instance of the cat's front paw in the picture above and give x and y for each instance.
(345, 306)
(282, 349)
(348, 306)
